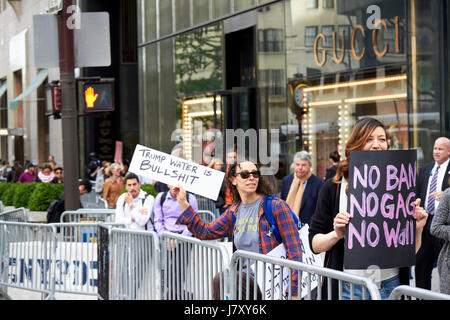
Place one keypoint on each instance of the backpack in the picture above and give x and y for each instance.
(268, 212)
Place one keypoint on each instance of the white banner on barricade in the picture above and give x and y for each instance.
(175, 171)
(308, 257)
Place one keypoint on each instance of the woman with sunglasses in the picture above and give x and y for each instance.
(327, 229)
(249, 229)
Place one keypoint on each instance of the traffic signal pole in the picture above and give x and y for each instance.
(69, 112)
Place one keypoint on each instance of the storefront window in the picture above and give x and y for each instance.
(344, 68)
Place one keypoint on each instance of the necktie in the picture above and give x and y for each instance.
(431, 201)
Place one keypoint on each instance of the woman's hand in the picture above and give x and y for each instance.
(181, 197)
(340, 222)
(420, 215)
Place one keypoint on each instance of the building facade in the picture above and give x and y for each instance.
(23, 96)
(302, 71)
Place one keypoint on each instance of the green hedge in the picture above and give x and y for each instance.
(43, 195)
(36, 196)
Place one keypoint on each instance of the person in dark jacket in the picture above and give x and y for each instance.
(301, 188)
(334, 159)
(327, 229)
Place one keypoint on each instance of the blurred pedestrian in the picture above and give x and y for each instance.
(58, 175)
(440, 228)
(113, 186)
(333, 161)
(29, 175)
(46, 174)
(431, 183)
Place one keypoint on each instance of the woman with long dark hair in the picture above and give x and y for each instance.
(249, 229)
(327, 229)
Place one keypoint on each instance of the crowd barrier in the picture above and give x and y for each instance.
(188, 266)
(109, 262)
(129, 264)
(206, 215)
(28, 253)
(274, 277)
(88, 215)
(15, 215)
(410, 293)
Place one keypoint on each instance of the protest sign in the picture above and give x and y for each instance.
(118, 152)
(381, 195)
(175, 171)
(266, 279)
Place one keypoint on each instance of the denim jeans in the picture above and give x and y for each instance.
(386, 288)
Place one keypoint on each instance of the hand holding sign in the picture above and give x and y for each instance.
(176, 171)
(182, 199)
(340, 222)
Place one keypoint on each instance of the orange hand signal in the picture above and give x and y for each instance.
(90, 97)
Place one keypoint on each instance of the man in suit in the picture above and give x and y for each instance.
(432, 181)
(301, 188)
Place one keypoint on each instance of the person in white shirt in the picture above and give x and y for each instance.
(135, 207)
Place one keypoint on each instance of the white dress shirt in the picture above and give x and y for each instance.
(440, 180)
(124, 213)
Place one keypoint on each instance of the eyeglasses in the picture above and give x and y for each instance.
(245, 174)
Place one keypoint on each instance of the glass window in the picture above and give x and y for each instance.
(201, 11)
(330, 89)
(271, 40)
(182, 14)
(311, 4)
(221, 8)
(328, 4)
(243, 4)
(327, 31)
(310, 36)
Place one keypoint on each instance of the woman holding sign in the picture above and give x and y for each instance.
(244, 221)
(328, 224)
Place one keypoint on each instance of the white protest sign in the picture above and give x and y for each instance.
(175, 171)
(308, 257)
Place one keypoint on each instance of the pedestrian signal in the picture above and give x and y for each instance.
(98, 96)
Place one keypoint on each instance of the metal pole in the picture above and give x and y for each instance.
(69, 114)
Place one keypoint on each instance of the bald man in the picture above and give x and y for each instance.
(432, 181)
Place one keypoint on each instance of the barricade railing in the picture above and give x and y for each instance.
(410, 293)
(15, 215)
(274, 278)
(28, 253)
(206, 215)
(207, 204)
(189, 265)
(76, 258)
(1, 206)
(88, 216)
(131, 265)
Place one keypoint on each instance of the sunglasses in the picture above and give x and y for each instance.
(246, 174)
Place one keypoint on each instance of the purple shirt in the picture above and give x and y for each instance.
(27, 177)
(165, 219)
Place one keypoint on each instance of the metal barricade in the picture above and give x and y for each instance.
(418, 293)
(132, 265)
(274, 278)
(76, 266)
(15, 215)
(189, 265)
(28, 253)
(88, 216)
(207, 204)
(206, 215)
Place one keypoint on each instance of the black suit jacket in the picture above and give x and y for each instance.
(422, 182)
(310, 195)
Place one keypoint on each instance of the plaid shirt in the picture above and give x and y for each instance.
(223, 227)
